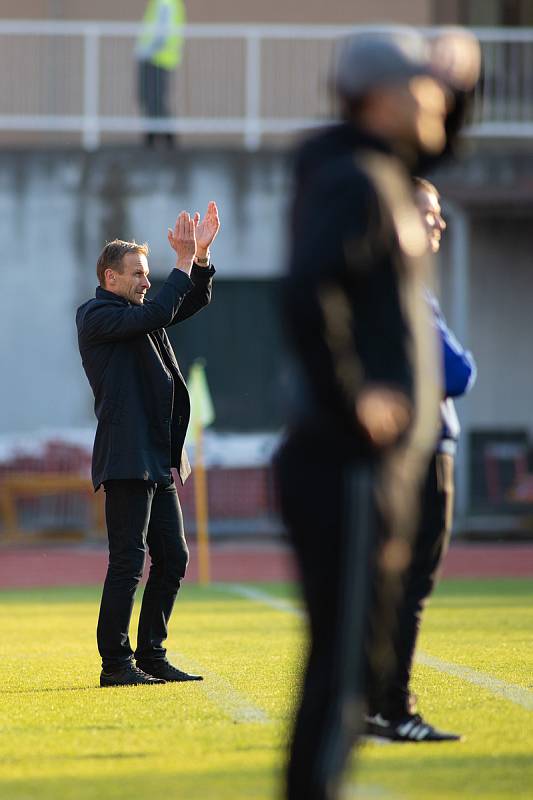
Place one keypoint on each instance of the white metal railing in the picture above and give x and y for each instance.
(249, 81)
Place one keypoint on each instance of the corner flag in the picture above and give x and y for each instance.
(202, 415)
(202, 410)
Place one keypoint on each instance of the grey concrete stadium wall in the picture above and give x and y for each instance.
(499, 323)
(58, 208)
(494, 186)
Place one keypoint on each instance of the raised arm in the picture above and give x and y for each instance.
(116, 317)
(202, 271)
(114, 320)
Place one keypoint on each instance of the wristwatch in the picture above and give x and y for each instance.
(203, 262)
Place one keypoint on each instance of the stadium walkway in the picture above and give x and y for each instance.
(236, 561)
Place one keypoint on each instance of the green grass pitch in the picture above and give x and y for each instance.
(64, 738)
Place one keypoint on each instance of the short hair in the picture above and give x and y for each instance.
(112, 256)
(423, 185)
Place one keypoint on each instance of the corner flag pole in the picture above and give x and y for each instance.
(201, 502)
(202, 415)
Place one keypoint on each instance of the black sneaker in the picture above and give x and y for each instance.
(170, 674)
(411, 728)
(128, 675)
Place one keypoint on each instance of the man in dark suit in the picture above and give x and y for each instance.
(143, 410)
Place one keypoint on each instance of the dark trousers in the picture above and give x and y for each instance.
(140, 515)
(429, 546)
(153, 91)
(332, 520)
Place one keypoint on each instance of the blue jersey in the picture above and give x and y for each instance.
(459, 372)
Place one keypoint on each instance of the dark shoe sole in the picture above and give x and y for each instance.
(380, 738)
(107, 682)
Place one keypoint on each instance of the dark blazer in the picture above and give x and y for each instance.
(141, 400)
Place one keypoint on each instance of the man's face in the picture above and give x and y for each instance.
(430, 210)
(132, 283)
(413, 113)
(429, 111)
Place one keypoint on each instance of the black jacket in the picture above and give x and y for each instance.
(141, 400)
(350, 293)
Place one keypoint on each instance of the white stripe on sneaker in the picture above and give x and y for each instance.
(423, 733)
(406, 728)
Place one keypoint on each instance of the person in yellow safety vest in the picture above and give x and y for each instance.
(159, 51)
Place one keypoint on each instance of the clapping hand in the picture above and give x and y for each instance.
(206, 229)
(183, 241)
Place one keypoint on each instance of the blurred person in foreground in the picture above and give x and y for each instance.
(366, 417)
(143, 410)
(395, 719)
(159, 52)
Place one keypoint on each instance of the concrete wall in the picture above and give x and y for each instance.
(492, 185)
(56, 212)
(492, 318)
(57, 209)
(501, 298)
(40, 232)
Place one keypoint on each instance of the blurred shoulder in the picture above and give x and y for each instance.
(326, 161)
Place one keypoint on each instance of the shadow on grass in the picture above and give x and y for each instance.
(177, 782)
(33, 690)
(53, 595)
(434, 771)
(484, 588)
(84, 757)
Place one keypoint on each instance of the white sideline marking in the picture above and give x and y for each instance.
(222, 693)
(363, 792)
(515, 694)
(262, 597)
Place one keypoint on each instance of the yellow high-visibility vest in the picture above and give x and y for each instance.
(169, 55)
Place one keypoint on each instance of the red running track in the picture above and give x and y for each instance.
(83, 566)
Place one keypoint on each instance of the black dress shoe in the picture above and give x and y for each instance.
(162, 669)
(128, 675)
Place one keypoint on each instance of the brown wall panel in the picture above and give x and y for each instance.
(24, 9)
(415, 12)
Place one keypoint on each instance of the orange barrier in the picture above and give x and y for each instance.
(34, 485)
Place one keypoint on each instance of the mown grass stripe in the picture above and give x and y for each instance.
(220, 691)
(515, 694)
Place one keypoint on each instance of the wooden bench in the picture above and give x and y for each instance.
(35, 485)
